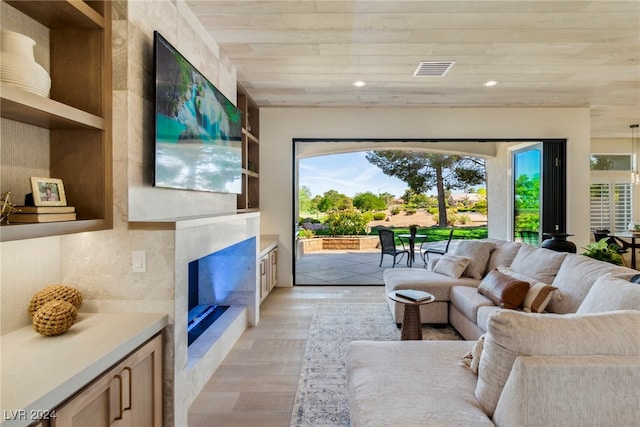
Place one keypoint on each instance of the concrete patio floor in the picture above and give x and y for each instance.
(349, 267)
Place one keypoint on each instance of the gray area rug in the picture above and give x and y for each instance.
(321, 399)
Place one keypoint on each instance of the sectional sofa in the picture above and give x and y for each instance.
(568, 353)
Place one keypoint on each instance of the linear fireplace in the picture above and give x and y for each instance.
(217, 281)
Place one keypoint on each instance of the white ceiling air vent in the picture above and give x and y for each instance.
(433, 69)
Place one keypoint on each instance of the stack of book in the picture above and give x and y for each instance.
(43, 214)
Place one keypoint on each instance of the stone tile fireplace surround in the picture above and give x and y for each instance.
(195, 238)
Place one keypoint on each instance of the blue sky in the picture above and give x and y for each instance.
(348, 173)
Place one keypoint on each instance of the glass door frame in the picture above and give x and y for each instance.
(553, 184)
(515, 152)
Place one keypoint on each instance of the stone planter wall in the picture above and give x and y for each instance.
(339, 243)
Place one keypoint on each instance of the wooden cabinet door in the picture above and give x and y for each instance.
(95, 406)
(145, 390)
(130, 394)
(273, 268)
(264, 277)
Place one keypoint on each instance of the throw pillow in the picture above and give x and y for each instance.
(610, 293)
(471, 360)
(538, 298)
(503, 254)
(451, 265)
(503, 290)
(511, 334)
(539, 263)
(538, 295)
(478, 251)
(576, 276)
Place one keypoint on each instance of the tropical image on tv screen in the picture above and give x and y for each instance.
(198, 130)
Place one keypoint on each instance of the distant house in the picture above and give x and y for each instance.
(465, 198)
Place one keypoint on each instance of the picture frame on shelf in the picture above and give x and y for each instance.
(48, 192)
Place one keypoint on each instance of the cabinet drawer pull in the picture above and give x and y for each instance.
(119, 378)
(128, 407)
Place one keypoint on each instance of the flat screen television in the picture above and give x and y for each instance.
(198, 131)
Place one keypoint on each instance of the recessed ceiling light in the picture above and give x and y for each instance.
(490, 83)
(359, 83)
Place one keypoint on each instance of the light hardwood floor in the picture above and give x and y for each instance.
(256, 384)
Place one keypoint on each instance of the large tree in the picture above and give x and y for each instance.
(333, 200)
(423, 171)
(368, 202)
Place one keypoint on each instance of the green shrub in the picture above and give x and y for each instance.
(395, 210)
(308, 221)
(410, 210)
(303, 233)
(464, 219)
(379, 216)
(481, 207)
(346, 222)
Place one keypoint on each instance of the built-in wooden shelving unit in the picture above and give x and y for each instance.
(249, 199)
(77, 114)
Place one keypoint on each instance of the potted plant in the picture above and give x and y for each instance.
(604, 251)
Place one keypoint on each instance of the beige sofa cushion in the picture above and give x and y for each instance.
(538, 263)
(482, 319)
(467, 300)
(574, 279)
(478, 251)
(512, 333)
(411, 383)
(611, 293)
(421, 279)
(503, 254)
(571, 391)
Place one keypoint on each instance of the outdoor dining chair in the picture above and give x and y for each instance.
(388, 246)
(427, 248)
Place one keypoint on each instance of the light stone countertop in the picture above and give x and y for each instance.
(39, 372)
(267, 243)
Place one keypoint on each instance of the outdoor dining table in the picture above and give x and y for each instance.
(412, 244)
(631, 239)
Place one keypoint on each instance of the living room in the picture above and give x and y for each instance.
(99, 262)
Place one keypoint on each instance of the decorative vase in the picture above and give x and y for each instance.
(559, 243)
(19, 67)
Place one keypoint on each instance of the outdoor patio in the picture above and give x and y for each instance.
(349, 267)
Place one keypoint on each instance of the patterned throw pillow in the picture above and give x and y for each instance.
(471, 360)
(538, 297)
(539, 293)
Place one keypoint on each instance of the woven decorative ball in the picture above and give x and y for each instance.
(53, 293)
(54, 318)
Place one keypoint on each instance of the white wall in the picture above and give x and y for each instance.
(279, 126)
